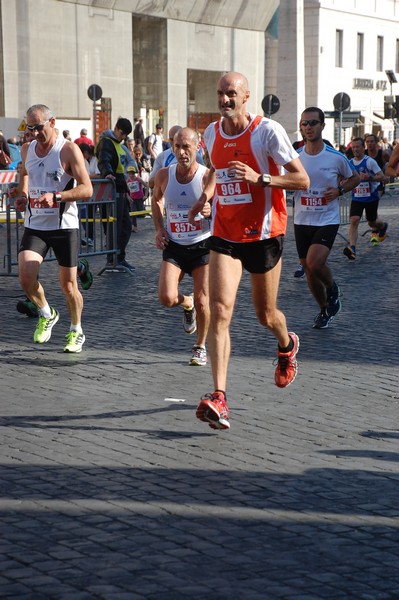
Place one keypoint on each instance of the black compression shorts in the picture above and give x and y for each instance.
(63, 242)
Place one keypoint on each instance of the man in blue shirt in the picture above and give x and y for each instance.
(365, 196)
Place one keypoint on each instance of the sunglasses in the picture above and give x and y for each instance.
(38, 127)
(312, 122)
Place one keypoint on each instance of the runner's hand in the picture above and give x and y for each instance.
(207, 210)
(239, 170)
(161, 239)
(20, 203)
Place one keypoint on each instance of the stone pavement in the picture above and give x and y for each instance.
(112, 490)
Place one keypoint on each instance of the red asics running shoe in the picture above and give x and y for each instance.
(213, 410)
(287, 366)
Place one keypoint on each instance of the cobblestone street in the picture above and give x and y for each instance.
(111, 488)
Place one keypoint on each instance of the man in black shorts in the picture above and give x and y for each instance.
(46, 194)
(316, 219)
(365, 197)
(184, 246)
(247, 154)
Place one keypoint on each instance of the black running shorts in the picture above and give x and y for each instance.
(256, 257)
(371, 209)
(306, 235)
(63, 242)
(187, 258)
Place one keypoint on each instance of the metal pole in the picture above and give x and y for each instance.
(94, 117)
(340, 127)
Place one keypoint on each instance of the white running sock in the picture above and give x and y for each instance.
(45, 311)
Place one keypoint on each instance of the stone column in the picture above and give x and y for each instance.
(291, 66)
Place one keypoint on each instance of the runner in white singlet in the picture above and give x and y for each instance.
(48, 198)
(184, 245)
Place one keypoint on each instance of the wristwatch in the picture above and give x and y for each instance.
(341, 190)
(265, 179)
(57, 197)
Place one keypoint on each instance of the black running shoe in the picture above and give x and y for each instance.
(322, 320)
(333, 293)
(299, 272)
(84, 273)
(382, 233)
(350, 252)
(28, 308)
(334, 308)
(333, 300)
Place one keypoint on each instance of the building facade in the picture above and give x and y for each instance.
(329, 47)
(161, 60)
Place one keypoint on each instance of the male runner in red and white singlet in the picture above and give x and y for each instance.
(247, 153)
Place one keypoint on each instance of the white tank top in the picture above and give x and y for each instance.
(46, 174)
(179, 198)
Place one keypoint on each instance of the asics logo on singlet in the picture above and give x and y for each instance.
(183, 194)
(41, 164)
(230, 145)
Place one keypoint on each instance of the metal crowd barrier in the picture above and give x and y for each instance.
(392, 188)
(97, 217)
(344, 208)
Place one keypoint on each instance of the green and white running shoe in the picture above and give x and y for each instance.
(75, 341)
(44, 326)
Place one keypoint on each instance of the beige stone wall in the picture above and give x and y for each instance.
(212, 49)
(54, 50)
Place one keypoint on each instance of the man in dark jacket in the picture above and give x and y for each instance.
(138, 134)
(113, 158)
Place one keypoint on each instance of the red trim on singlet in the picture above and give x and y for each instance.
(266, 215)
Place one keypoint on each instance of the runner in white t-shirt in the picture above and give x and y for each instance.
(316, 219)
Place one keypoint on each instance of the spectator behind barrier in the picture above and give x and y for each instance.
(5, 154)
(15, 153)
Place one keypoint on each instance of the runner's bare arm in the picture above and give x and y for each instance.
(346, 185)
(295, 178)
(157, 207)
(392, 167)
(73, 162)
(22, 194)
(207, 195)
